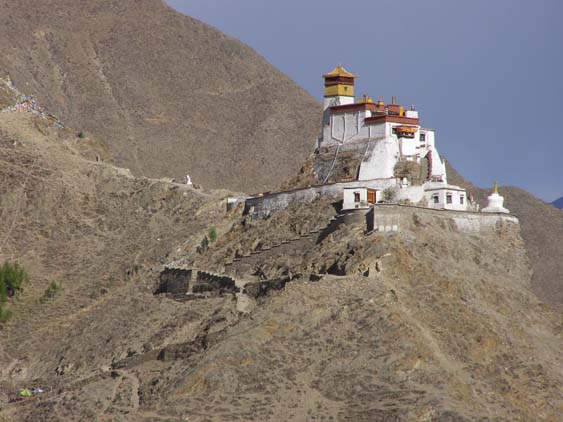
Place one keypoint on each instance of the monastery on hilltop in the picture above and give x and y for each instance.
(392, 150)
(371, 152)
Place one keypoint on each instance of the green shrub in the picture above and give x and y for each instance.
(212, 234)
(51, 291)
(12, 278)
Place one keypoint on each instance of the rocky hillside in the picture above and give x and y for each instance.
(429, 325)
(337, 324)
(542, 231)
(89, 227)
(170, 94)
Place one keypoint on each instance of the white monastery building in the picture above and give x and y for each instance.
(391, 135)
(371, 152)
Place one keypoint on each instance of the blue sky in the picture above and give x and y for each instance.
(486, 75)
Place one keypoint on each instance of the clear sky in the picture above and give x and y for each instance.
(487, 75)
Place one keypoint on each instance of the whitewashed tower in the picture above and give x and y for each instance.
(339, 87)
(339, 90)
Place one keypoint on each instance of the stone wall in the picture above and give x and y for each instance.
(174, 281)
(395, 218)
(178, 281)
(264, 206)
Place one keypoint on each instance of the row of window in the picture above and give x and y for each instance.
(449, 199)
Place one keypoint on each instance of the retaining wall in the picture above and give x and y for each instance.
(394, 217)
(264, 206)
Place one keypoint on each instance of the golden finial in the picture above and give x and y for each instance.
(495, 187)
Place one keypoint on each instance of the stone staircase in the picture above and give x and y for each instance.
(239, 272)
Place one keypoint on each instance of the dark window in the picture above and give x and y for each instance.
(461, 199)
(436, 199)
(423, 137)
(449, 198)
(356, 196)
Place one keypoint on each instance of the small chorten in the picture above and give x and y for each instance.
(496, 202)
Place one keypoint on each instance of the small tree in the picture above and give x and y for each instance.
(12, 277)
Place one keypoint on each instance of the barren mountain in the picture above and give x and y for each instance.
(171, 95)
(427, 325)
(87, 226)
(332, 322)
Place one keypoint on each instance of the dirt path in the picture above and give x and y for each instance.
(135, 384)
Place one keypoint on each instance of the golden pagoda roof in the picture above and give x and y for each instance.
(339, 71)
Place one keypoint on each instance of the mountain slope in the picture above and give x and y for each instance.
(88, 226)
(558, 203)
(438, 330)
(427, 325)
(542, 231)
(171, 95)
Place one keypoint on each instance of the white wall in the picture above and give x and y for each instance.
(438, 166)
(409, 146)
(336, 101)
(349, 201)
(345, 127)
(380, 162)
(263, 206)
(414, 194)
(387, 217)
(442, 195)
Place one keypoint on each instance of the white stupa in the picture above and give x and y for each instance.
(496, 202)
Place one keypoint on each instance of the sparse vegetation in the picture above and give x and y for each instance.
(212, 234)
(203, 246)
(51, 291)
(81, 135)
(12, 278)
(389, 195)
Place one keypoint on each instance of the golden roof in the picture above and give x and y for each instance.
(365, 100)
(406, 129)
(339, 71)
